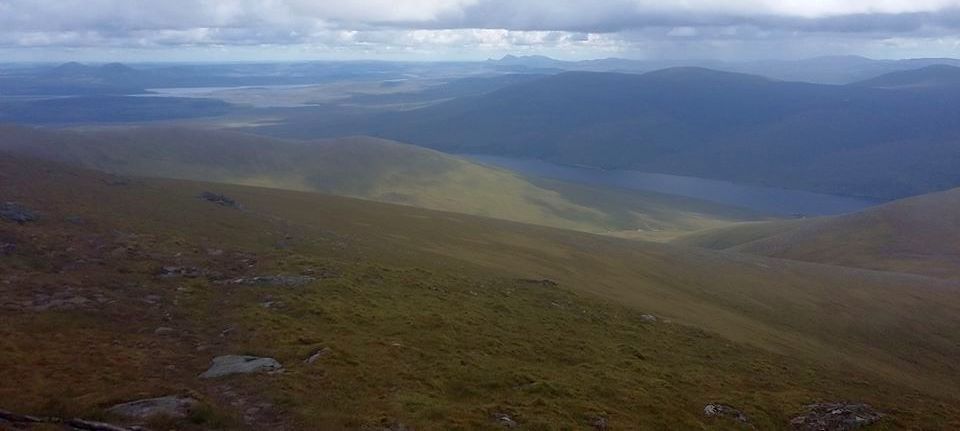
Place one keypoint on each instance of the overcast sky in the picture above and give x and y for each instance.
(195, 30)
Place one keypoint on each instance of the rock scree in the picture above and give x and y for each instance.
(836, 417)
(240, 364)
(176, 407)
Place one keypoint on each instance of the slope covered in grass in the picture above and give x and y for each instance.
(436, 320)
(368, 168)
(919, 235)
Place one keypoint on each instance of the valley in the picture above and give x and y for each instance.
(521, 243)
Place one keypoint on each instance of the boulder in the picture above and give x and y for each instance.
(240, 364)
(835, 417)
(175, 407)
(504, 420)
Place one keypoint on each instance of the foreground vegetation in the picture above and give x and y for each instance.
(435, 320)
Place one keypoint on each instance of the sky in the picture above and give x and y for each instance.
(280, 30)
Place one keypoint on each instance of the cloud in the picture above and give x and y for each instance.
(427, 25)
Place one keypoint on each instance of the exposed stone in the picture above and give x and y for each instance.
(716, 410)
(180, 271)
(18, 418)
(240, 364)
(175, 407)
(504, 420)
(59, 301)
(649, 318)
(545, 282)
(317, 355)
(163, 330)
(835, 417)
(81, 424)
(274, 280)
(219, 199)
(14, 212)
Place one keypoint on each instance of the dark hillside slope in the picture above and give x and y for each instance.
(919, 235)
(435, 320)
(848, 140)
(366, 168)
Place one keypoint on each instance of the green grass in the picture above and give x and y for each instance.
(373, 169)
(430, 324)
(919, 235)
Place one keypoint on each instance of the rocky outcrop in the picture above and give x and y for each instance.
(835, 417)
(176, 407)
(240, 364)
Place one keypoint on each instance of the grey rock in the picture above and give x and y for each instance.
(504, 420)
(836, 417)
(86, 425)
(240, 364)
(219, 199)
(180, 271)
(716, 410)
(18, 418)
(649, 318)
(14, 212)
(175, 407)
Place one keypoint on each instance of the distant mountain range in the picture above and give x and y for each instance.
(862, 139)
(823, 70)
(115, 78)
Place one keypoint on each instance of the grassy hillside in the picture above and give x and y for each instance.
(371, 169)
(851, 140)
(919, 235)
(436, 320)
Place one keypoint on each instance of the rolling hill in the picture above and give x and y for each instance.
(371, 169)
(116, 289)
(848, 140)
(916, 235)
(930, 77)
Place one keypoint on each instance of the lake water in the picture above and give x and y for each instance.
(762, 199)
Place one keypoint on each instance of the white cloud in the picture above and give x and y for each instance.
(433, 25)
